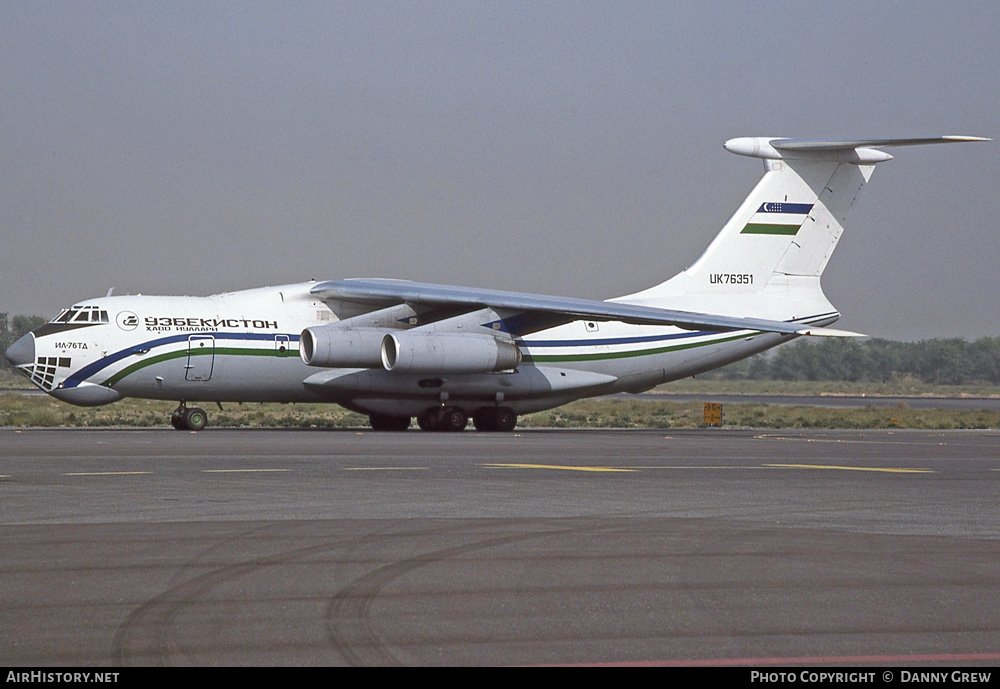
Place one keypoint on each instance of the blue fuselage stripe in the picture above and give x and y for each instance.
(90, 369)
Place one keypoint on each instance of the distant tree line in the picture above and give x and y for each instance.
(938, 362)
(11, 329)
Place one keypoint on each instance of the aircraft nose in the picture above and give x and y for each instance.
(22, 352)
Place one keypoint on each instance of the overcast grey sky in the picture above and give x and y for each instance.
(565, 148)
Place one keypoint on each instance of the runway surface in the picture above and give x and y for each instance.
(157, 547)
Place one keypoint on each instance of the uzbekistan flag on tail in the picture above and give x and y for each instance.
(778, 218)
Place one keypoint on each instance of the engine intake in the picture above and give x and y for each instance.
(332, 346)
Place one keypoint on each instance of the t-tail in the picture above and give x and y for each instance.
(767, 260)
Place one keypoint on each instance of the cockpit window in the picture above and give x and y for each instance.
(82, 314)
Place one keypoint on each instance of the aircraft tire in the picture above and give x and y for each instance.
(428, 421)
(504, 419)
(482, 419)
(453, 420)
(195, 419)
(177, 421)
(383, 422)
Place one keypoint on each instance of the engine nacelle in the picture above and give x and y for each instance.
(447, 353)
(333, 346)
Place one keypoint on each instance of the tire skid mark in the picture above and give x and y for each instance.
(145, 638)
(349, 627)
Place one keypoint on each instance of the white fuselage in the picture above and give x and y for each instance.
(243, 347)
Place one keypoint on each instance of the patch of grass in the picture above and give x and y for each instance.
(902, 387)
(615, 413)
(40, 410)
(43, 411)
(14, 381)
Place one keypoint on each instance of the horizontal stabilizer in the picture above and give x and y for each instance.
(841, 144)
(859, 151)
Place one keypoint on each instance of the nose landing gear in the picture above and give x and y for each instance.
(184, 419)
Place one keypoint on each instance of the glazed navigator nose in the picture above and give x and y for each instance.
(22, 352)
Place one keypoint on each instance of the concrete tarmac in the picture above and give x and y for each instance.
(247, 547)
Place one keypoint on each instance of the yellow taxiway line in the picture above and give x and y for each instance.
(887, 470)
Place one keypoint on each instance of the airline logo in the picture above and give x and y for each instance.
(127, 320)
(778, 217)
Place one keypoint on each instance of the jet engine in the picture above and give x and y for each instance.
(333, 346)
(447, 353)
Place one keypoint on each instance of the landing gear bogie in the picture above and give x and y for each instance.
(454, 419)
(498, 419)
(445, 419)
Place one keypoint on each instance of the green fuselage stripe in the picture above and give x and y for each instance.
(758, 228)
(552, 358)
(528, 358)
(182, 353)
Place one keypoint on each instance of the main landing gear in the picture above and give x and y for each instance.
(446, 419)
(450, 420)
(184, 419)
(502, 419)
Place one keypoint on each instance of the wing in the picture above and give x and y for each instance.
(379, 294)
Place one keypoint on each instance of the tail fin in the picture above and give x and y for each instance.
(777, 244)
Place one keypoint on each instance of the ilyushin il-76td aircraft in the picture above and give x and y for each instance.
(395, 350)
